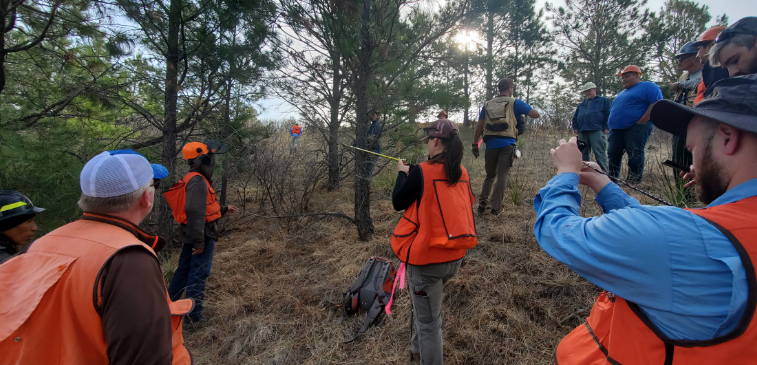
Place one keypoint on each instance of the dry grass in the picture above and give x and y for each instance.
(271, 295)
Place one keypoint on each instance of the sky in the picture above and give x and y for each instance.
(735, 9)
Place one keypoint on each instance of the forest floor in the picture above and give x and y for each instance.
(274, 284)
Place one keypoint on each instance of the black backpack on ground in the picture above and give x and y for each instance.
(371, 291)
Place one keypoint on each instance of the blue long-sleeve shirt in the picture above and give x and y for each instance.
(684, 274)
(592, 114)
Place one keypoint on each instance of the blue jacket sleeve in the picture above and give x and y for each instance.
(606, 113)
(621, 264)
(681, 271)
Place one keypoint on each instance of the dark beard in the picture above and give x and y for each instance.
(709, 178)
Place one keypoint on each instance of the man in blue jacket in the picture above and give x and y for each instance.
(590, 123)
(629, 130)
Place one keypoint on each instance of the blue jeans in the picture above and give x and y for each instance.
(371, 163)
(632, 141)
(192, 273)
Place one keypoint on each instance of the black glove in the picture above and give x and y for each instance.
(474, 149)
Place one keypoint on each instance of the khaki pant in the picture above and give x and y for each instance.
(497, 164)
(426, 284)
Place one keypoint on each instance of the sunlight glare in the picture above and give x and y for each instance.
(467, 37)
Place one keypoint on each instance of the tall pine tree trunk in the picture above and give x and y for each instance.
(170, 134)
(4, 8)
(362, 180)
(489, 51)
(466, 92)
(225, 132)
(333, 154)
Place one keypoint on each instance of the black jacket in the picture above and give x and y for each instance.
(7, 248)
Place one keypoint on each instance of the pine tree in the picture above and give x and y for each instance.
(599, 38)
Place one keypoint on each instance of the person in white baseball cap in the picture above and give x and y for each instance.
(93, 289)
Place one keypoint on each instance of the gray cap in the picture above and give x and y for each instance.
(732, 101)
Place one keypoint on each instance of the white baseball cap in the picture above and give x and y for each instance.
(119, 172)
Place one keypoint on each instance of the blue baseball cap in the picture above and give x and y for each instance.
(730, 101)
(119, 172)
(688, 49)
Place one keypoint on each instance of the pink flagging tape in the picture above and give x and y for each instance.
(401, 279)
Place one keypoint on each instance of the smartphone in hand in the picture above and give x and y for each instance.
(675, 165)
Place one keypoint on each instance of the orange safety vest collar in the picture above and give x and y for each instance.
(50, 295)
(176, 197)
(441, 227)
(618, 332)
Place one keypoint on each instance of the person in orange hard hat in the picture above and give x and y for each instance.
(629, 130)
(194, 206)
(710, 74)
(442, 115)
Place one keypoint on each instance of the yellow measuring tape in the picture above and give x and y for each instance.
(377, 154)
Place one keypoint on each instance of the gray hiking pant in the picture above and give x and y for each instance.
(596, 142)
(426, 284)
(497, 164)
(294, 142)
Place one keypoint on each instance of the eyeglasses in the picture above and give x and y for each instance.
(156, 183)
(729, 33)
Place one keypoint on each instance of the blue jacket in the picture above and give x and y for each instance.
(374, 131)
(592, 114)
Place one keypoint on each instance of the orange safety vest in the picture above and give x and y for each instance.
(700, 92)
(176, 197)
(296, 130)
(618, 332)
(50, 314)
(441, 227)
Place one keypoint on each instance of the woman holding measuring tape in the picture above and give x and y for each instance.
(433, 235)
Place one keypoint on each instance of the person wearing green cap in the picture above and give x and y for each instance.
(590, 124)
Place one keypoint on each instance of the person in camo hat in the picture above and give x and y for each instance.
(436, 230)
(17, 225)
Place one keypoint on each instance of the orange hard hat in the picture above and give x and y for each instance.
(709, 35)
(631, 68)
(441, 113)
(191, 150)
